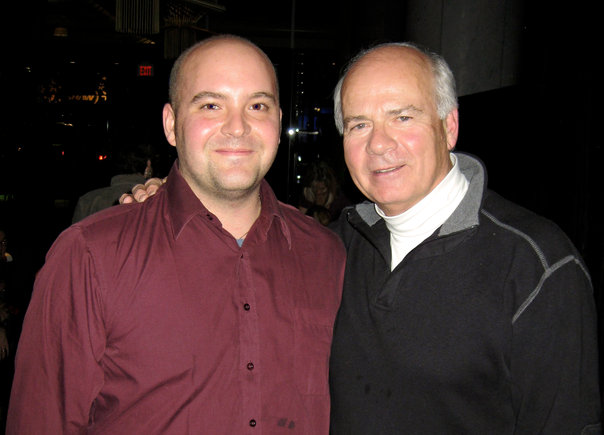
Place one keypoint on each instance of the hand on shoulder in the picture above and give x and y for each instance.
(141, 192)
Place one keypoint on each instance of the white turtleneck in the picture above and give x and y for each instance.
(410, 228)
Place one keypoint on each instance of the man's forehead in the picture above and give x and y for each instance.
(227, 55)
(388, 70)
(231, 51)
(393, 58)
(394, 54)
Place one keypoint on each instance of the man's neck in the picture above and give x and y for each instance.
(238, 215)
(410, 228)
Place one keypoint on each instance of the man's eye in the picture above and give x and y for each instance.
(358, 126)
(404, 118)
(210, 106)
(258, 106)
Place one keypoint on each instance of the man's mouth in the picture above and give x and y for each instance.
(386, 170)
(234, 152)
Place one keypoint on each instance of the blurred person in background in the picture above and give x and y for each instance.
(322, 197)
(130, 166)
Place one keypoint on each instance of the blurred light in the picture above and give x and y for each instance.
(60, 32)
(291, 132)
(102, 157)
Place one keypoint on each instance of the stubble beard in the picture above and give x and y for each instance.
(215, 184)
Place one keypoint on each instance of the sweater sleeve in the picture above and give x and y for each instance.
(554, 355)
(57, 373)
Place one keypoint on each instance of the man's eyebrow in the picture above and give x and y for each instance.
(206, 94)
(263, 94)
(392, 112)
(359, 118)
(218, 96)
(406, 109)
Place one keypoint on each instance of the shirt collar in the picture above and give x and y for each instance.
(183, 205)
(272, 212)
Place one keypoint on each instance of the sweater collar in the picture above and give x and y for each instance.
(466, 215)
(433, 210)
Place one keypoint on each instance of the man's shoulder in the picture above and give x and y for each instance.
(111, 235)
(529, 226)
(111, 216)
(114, 220)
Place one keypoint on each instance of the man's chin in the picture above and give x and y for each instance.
(237, 191)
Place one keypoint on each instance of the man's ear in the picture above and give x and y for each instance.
(280, 123)
(169, 120)
(451, 126)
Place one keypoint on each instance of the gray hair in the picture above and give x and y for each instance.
(175, 73)
(444, 82)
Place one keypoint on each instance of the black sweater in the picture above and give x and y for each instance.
(487, 327)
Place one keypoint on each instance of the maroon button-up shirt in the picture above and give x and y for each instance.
(150, 319)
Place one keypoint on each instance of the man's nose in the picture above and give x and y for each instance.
(235, 124)
(380, 142)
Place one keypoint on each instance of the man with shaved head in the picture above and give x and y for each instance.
(208, 308)
(462, 313)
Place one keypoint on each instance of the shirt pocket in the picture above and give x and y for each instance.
(313, 330)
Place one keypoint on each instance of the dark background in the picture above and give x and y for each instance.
(70, 102)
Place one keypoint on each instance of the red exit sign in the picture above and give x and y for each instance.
(145, 71)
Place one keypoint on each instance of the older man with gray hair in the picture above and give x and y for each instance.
(461, 312)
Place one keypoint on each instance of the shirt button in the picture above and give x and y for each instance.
(250, 366)
(252, 422)
(246, 307)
